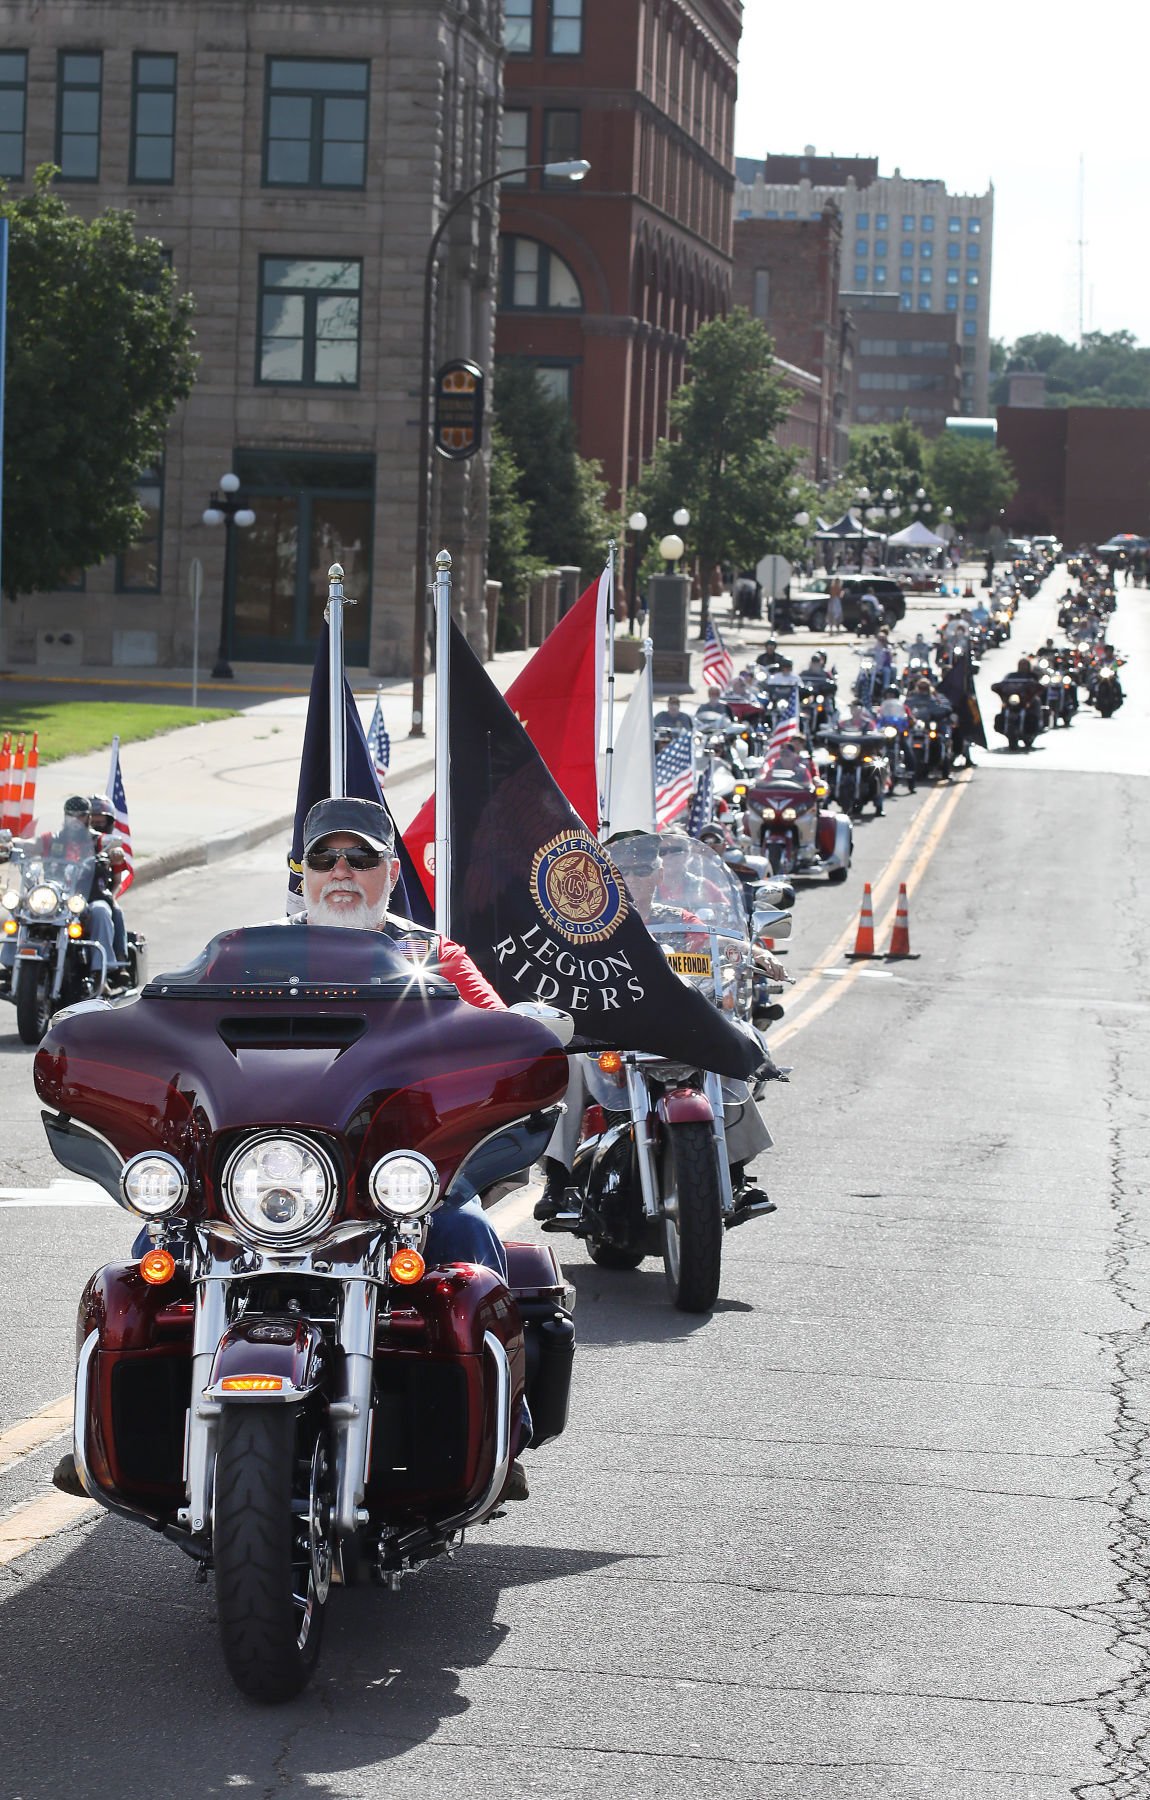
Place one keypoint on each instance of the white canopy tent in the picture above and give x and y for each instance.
(916, 537)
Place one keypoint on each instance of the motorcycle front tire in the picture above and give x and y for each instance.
(270, 1608)
(692, 1221)
(33, 1007)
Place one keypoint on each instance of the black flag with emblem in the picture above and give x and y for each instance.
(408, 899)
(539, 905)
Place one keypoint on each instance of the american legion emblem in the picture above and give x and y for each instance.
(576, 888)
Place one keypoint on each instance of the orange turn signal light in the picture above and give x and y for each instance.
(611, 1062)
(157, 1266)
(11, 927)
(75, 929)
(406, 1267)
(251, 1384)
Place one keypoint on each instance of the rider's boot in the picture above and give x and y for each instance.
(558, 1179)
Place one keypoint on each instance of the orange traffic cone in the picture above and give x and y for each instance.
(864, 938)
(900, 936)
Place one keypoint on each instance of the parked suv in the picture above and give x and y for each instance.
(810, 606)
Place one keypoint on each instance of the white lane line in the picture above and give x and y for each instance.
(33, 1433)
(29, 1525)
(57, 1193)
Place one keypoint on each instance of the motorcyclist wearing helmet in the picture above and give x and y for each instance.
(75, 843)
(102, 821)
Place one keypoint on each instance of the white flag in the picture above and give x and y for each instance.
(633, 780)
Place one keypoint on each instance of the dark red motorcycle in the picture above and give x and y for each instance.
(281, 1384)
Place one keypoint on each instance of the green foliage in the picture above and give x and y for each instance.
(77, 727)
(509, 558)
(723, 464)
(974, 478)
(895, 457)
(99, 355)
(1105, 369)
(564, 495)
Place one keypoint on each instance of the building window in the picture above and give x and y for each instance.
(952, 303)
(816, 216)
(974, 226)
(905, 302)
(13, 105)
(536, 279)
(760, 293)
(880, 275)
(925, 277)
(139, 568)
(970, 303)
(315, 132)
(952, 278)
(862, 221)
(972, 278)
(561, 136)
(973, 252)
(880, 246)
(906, 275)
(926, 223)
(78, 115)
(924, 303)
(517, 27)
(954, 223)
(954, 251)
(860, 274)
(790, 215)
(881, 221)
(309, 322)
(771, 213)
(907, 248)
(908, 221)
(862, 248)
(153, 118)
(565, 27)
(926, 251)
(968, 355)
(554, 380)
(513, 146)
(970, 328)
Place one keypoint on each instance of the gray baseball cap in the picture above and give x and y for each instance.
(364, 819)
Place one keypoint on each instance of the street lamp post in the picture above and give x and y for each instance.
(636, 524)
(573, 170)
(224, 509)
(862, 496)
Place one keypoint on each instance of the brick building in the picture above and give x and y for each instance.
(602, 288)
(788, 274)
(906, 364)
(295, 159)
(1083, 471)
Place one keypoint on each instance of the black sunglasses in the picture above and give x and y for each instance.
(323, 861)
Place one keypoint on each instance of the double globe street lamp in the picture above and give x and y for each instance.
(573, 170)
(224, 509)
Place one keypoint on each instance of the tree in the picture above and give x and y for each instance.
(723, 463)
(509, 558)
(1105, 369)
(890, 456)
(972, 477)
(564, 494)
(99, 355)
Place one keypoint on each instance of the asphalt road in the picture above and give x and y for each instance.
(875, 1528)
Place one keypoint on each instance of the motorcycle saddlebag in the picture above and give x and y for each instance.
(540, 1292)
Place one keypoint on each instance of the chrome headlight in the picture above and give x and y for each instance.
(153, 1184)
(43, 900)
(848, 752)
(403, 1184)
(10, 898)
(789, 813)
(279, 1188)
(768, 812)
(76, 903)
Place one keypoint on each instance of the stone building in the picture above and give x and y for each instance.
(601, 289)
(295, 159)
(901, 235)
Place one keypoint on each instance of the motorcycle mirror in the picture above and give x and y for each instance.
(560, 1023)
(772, 923)
(774, 893)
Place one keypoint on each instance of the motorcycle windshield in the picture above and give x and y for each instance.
(303, 962)
(668, 874)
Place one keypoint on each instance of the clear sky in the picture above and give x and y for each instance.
(986, 91)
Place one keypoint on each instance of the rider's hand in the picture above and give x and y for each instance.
(770, 965)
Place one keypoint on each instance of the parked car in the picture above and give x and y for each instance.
(810, 606)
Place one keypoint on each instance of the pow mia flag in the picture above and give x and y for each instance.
(539, 905)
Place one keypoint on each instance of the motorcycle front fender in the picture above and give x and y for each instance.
(267, 1359)
(684, 1106)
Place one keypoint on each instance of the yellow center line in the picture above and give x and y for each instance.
(22, 1530)
(33, 1433)
(942, 802)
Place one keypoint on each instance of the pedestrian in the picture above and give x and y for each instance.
(835, 605)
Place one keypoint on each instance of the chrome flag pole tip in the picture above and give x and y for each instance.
(335, 573)
(443, 560)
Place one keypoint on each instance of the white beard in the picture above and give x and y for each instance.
(360, 917)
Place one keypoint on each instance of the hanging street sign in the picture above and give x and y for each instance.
(458, 410)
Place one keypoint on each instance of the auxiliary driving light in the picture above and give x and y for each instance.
(153, 1185)
(404, 1185)
(10, 898)
(406, 1267)
(76, 903)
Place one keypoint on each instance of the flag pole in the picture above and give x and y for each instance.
(442, 743)
(337, 734)
(648, 653)
(609, 757)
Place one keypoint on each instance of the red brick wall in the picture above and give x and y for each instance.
(1083, 471)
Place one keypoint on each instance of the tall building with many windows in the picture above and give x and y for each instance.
(295, 160)
(906, 237)
(602, 288)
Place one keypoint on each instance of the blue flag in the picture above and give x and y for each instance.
(408, 899)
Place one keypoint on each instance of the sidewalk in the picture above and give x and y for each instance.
(205, 792)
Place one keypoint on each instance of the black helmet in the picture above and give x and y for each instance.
(76, 806)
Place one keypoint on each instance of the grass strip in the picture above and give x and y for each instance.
(75, 727)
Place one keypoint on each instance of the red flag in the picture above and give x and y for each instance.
(557, 699)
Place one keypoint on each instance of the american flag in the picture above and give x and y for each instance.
(703, 803)
(786, 725)
(674, 779)
(378, 742)
(120, 815)
(718, 663)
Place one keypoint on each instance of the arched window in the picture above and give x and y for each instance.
(536, 279)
